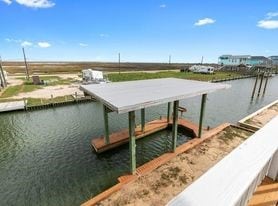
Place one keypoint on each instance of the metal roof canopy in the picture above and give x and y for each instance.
(123, 97)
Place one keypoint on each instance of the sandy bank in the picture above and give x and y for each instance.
(264, 117)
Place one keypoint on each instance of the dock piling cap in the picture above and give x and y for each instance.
(123, 97)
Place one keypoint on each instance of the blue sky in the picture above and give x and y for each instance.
(142, 30)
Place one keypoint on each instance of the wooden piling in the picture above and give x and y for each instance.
(255, 86)
(266, 80)
(261, 83)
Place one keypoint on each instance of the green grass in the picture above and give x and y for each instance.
(37, 101)
(115, 77)
(51, 80)
(11, 91)
(15, 90)
(28, 86)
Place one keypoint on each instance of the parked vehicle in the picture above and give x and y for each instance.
(90, 76)
(202, 69)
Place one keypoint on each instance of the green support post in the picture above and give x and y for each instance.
(203, 105)
(143, 119)
(132, 143)
(169, 112)
(106, 126)
(175, 125)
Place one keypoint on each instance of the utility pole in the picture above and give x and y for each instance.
(26, 65)
(119, 63)
(2, 75)
(170, 59)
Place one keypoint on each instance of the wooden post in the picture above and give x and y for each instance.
(255, 86)
(260, 87)
(25, 103)
(2, 75)
(175, 125)
(26, 65)
(75, 97)
(169, 112)
(106, 126)
(266, 80)
(132, 143)
(143, 119)
(203, 105)
(52, 103)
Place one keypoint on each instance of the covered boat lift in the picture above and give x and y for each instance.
(127, 97)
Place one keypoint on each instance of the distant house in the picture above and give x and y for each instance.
(259, 60)
(274, 60)
(234, 60)
(247, 60)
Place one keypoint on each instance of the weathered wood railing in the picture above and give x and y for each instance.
(233, 180)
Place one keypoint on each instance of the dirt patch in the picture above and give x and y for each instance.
(162, 184)
(263, 117)
(46, 92)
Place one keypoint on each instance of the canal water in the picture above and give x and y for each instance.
(46, 158)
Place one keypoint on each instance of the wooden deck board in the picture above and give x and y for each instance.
(122, 136)
(266, 194)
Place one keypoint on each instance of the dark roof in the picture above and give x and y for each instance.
(259, 57)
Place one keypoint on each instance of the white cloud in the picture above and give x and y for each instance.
(44, 44)
(104, 35)
(33, 3)
(83, 45)
(204, 21)
(268, 24)
(13, 40)
(7, 1)
(162, 6)
(270, 15)
(26, 43)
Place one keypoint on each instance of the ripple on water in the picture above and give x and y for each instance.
(46, 157)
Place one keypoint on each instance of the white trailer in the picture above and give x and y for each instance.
(202, 69)
(90, 76)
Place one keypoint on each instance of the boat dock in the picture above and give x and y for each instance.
(12, 106)
(122, 137)
(127, 97)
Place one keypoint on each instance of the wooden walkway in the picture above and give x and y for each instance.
(12, 106)
(266, 194)
(122, 137)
